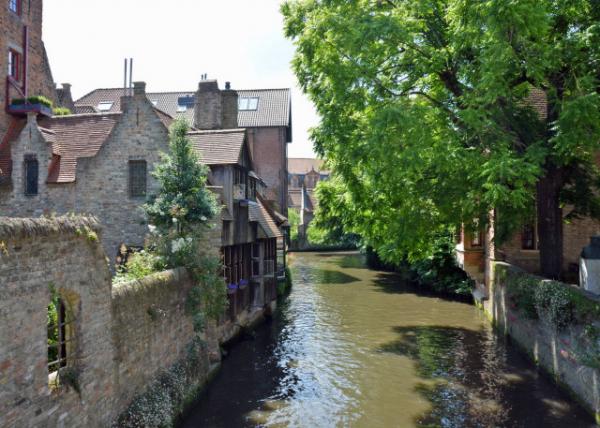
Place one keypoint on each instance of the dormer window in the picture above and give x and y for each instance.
(14, 64)
(105, 105)
(15, 6)
(31, 167)
(248, 103)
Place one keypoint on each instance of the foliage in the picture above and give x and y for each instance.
(61, 111)
(427, 118)
(183, 202)
(522, 287)
(553, 303)
(140, 265)
(439, 270)
(180, 216)
(52, 324)
(37, 99)
(294, 221)
(589, 354)
(559, 304)
(166, 397)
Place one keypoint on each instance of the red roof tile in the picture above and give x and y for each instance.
(220, 147)
(73, 137)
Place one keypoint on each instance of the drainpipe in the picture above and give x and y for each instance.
(25, 60)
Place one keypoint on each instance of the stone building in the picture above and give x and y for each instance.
(265, 113)
(97, 163)
(303, 176)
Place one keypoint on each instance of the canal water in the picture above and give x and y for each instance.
(351, 347)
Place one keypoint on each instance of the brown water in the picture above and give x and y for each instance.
(351, 347)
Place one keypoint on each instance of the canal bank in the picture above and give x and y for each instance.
(355, 347)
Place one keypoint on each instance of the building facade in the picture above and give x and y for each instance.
(265, 113)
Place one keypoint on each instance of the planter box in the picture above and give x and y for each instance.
(23, 109)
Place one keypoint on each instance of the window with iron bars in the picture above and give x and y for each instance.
(137, 178)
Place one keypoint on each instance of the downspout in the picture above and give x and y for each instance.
(25, 60)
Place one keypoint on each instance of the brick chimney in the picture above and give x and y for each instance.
(208, 110)
(139, 92)
(230, 107)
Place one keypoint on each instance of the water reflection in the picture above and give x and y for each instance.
(352, 355)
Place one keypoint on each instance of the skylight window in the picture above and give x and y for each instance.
(154, 102)
(248, 103)
(181, 109)
(105, 105)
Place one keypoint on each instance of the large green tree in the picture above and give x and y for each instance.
(429, 112)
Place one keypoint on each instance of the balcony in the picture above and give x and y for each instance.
(23, 106)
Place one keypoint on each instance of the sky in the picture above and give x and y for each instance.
(172, 44)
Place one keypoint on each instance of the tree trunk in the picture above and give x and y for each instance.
(550, 222)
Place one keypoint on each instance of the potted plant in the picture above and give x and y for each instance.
(35, 104)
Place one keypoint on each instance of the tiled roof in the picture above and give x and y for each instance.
(257, 212)
(274, 108)
(220, 147)
(14, 129)
(85, 109)
(73, 137)
(274, 105)
(295, 198)
(304, 165)
(165, 118)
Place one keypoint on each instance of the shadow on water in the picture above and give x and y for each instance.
(472, 379)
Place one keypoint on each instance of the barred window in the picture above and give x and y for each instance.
(137, 178)
(31, 175)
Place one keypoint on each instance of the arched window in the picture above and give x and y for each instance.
(61, 327)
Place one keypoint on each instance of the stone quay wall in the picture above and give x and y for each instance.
(122, 338)
(554, 352)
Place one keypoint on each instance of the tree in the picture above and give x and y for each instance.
(183, 201)
(428, 113)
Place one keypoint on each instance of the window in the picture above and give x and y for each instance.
(105, 105)
(14, 64)
(60, 337)
(15, 6)
(248, 103)
(154, 102)
(31, 168)
(137, 178)
(181, 109)
(528, 237)
(477, 239)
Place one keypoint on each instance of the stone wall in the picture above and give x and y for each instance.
(35, 255)
(555, 352)
(124, 337)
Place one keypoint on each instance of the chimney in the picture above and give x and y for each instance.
(230, 107)
(139, 88)
(64, 97)
(208, 110)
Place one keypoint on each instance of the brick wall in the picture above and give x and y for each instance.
(39, 75)
(124, 337)
(269, 153)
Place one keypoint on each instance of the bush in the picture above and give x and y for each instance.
(440, 272)
(140, 265)
(553, 303)
(61, 111)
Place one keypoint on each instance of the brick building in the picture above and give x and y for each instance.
(303, 176)
(475, 250)
(265, 113)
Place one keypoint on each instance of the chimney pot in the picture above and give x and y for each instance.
(228, 85)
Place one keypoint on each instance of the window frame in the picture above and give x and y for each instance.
(14, 64)
(17, 9)
(29, 160)
(248, 103)
(534, 241)
(105, 103)
(133, 178)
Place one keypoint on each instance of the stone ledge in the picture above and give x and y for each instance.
(19, 228)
